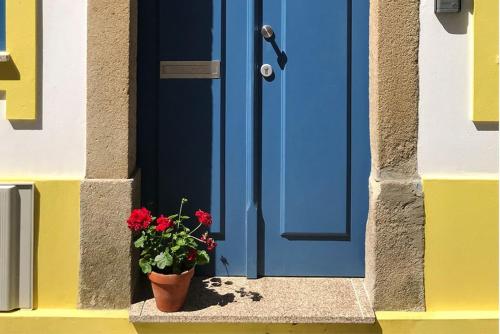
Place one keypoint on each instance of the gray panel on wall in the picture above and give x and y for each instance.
(16, 246)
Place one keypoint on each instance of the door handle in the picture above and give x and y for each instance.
(267, 31)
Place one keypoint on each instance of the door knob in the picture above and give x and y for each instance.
(266, 70)
(266, 31)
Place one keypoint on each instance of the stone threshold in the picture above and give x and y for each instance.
(265, 300)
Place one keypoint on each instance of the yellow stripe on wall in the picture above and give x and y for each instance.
(57, 242)
(116, 322)
(461, 244)
(485, 108)
(18, 75)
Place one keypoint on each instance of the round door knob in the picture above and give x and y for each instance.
(266, 31)
(266, 70)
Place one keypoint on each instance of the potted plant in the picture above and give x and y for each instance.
(170, 251)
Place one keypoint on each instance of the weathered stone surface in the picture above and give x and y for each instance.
(395, 229)
(266, 300)
(395, 245)
(105, 243)
(111, 89)
(394, 40)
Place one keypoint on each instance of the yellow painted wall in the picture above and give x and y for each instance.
(461, 271)
(116, 322)
(18, 75)
(57, 243)
(485, 18)
(461, 244)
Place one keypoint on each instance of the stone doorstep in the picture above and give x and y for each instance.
(266, 300)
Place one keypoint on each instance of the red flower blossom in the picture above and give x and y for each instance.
(211, 244)
(191, 254)
(163, 223)
(204, 217)
(139, 219)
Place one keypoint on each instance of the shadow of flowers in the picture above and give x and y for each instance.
(205, 292)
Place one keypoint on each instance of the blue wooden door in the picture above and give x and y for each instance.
(191, 142)
(281, 162)
(314, 138)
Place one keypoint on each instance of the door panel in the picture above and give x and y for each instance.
(190, 150)
(306, 142)
(193, 129)
(305, 111)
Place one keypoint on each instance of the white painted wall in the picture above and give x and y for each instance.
(449, 142)
(55, 147)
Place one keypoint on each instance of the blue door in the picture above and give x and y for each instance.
(314, 138)
(281, 160)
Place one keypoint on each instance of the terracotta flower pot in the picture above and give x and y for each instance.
(170, 291)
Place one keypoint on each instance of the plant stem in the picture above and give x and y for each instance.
(195, 238)
(197, 227)
(180, 211)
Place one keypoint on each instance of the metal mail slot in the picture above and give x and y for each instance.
(190, 69)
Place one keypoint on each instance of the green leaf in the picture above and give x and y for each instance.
(145, 265)
(163, 260)
(139, 243)
(202, 257)
(175, 248)
(181, 242)
(185, 217)
(191, 243)
(172, 216)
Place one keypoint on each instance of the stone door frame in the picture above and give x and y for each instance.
(395, 229)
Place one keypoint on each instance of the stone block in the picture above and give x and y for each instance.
(105, 277)
(395, 245)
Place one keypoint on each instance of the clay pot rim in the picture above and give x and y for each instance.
(170, 278)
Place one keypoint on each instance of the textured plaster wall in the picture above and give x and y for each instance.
(53, 146)
(395, 228)
(449, 142)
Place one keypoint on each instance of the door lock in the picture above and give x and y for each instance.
(266, 70)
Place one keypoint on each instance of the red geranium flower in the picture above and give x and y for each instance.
(163, 223)
(191, 254)
(211, 244)
(139, 219)
(204, 217)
